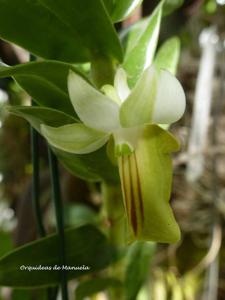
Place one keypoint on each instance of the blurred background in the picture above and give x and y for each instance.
(192, 269)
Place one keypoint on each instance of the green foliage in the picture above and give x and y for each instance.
(122, 9)
(93, 286)
(84, 246)
(168, 55)
(79, 214)
(143, 50)
(139, 258)
(48, 78)
(78, 31)
(94, 166)
(6, 242)
(60, 30)
(36, 116)
(171, 5)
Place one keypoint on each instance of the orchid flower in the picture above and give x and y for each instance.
(141, 146)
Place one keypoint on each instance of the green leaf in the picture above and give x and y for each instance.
(142, 53)
(138, 267)
(129, 36)
(38, 115)
(108, 5)
(60, 30)
(84, 246)
(79, 214)
(171, 5)
(74, 138)
(93, 286)
(94, 167)
(45, 81)
(81, 15)
(123, 9)
(6, 242)
(168, 55)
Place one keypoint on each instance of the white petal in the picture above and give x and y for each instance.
(120, 83)
(170, 99)
(74, 138)
(93, 108)
(138, 107)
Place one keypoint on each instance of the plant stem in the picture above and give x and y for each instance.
(36, 182)
(102, 71)
(36, 175)
(114, 214)
(56, 193)
(51, 292)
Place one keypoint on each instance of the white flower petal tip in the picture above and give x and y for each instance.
(74, 138)
(94, 109)
(121, 85)
(170, 102)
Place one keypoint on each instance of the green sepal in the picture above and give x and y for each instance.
(74, 138)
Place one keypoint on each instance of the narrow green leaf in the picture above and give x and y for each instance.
(44, 81)
(60, 29)
(94, 166)
(171, 5)
(93, 286)
(74, 138)
(41, 115)
(129, 36)
(168, 55)
(141, 55)
(85, 246)
(123, 8)
(138, 267)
